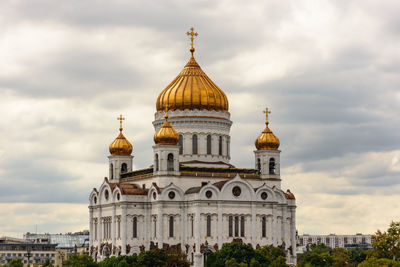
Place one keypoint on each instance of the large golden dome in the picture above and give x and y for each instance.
(267, 140)
(166, 135)
(192, 89)
(120, 146)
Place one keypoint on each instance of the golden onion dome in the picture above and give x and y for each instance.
(192, 89)
(267, 140)
(120, 146)
(166, 135)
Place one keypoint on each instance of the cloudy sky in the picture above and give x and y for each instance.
(328, 70)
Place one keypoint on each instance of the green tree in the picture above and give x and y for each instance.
(318, 255)
(386, 244)
(340, 258)
(356, 256)
(279, 262)
(374, 262)
(47, 263)
(242, 253)
(79, 261)
(16, 263)
(271, 252)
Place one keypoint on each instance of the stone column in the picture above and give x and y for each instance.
(160, 225)
(183, 222)
(274, 224)
(99, 233)
(198, 259)
(113, 229)
(91, 234)
(146, 226)
(293, 233)
(253, 226)
(123, 230)
(219, 226)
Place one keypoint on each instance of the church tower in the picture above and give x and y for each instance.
(267, 155)
(198, 111)
(120, 160)
(166, 150)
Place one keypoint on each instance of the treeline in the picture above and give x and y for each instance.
(385, 252)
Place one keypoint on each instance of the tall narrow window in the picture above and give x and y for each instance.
(156, 163)
(228, 147)
(263, 227)
(170, 162)
(171, 226)
(134, 227)
(194, 144)
(124, 167)
(192, 225)
(271, 166)
(230, 226)
(208, 225)
(236, 226)
(220, 146)
(180, 143)
(95, 231)
(208, 144)
(259, 164)
(119, 228)
(111, 171)
(242, 226)
(155, 227)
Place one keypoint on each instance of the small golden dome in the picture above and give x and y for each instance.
(192, 89)
(120, 146)
(166, 135)
(267, 140)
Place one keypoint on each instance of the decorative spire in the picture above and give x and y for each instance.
(192, 35)
(166, 135)
(120, 118)
(266, 111)
(120, 146)
(267, 140)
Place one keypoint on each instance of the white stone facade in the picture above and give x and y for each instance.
(192, 194)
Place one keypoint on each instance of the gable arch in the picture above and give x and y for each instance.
(179, 194)
(264, 188)
(215, 192)
(246, 194)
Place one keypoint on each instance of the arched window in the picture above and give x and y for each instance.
(180, 143)
(171, 226)
(124, 167)
(134, 227)
(208, 144)
(263, 227)
(170, 162)
(192, 225)
(111, 171)
(230, 226)
(208, 225)
(156, 163)
(242, 226)
(236, 225)
(194, 144)
(220, 146)
(228, 147)
(259, 164)
(271, 166)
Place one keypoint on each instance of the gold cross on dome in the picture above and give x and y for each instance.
(167, 106)
(266, 111)
(192, 35)
(120, 118)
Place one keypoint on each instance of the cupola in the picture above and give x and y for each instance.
(267, 140)
(166, 135)
(120, 146)
(192, 89)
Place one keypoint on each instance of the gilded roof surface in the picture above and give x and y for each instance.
(192, 89)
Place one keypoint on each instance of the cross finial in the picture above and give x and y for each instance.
(266, 111)
(120, 118)
(192, 35)
(167, 106)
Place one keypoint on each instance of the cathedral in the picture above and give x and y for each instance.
(190, 198)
